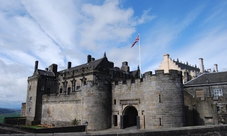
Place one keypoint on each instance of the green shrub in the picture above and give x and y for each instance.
(75, 122)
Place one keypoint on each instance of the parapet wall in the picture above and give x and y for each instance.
(172, 75)
(213, 130)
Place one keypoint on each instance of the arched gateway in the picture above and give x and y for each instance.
(129, 118)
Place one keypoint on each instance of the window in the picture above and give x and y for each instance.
(159, 98)
(42, 88)
(124, 81)
(73, 84)
(30, 87)
(114, 101)
(77, 87)
(29, 110)
(112, 74)
(160, 122)
(60, 90)
(218, 108)
(30, 98)
(217, 92)
(69, 90)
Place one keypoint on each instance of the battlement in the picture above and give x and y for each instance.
(150, 77)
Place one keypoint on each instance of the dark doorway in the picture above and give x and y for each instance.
(130, 115)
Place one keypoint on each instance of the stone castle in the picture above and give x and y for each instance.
(105, 96)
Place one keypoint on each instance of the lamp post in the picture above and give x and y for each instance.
(86, 124)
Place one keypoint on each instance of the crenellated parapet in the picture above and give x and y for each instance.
(150, 77)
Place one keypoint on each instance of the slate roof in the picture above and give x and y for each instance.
(135, 73)
(46, 73)
(185, 66)
(208, 78)
(94, 63)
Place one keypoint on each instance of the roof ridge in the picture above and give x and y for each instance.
(83, 65)
(194, 78)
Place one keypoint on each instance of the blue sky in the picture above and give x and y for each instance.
(58, 31)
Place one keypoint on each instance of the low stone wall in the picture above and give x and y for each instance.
(192, 131)
(214, 130)
(56, 129)
(6, 128)
(15, 120)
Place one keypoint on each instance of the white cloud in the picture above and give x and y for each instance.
(13, 84)
(124, 54)
(56, 31)
(107, 25)
(55, 18)
(103, 23)
(211, 47)
(146, 17)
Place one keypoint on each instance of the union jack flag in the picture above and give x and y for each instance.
(136, 40)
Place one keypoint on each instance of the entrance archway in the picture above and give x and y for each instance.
(130, 113)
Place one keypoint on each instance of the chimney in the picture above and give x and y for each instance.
(201, 65)
(209, 70)
(125, 66)
(53, 68)
(166, 63)
(166, 56)
(216, 67)
(186, 77)
(36, 65)
(88, 58)
(69, 65)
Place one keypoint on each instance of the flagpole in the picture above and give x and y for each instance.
(140, 57)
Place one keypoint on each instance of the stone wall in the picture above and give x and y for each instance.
(157, 98)
(31, 99)
(37, 86)
(91, 103)
(23, 110)
(203, 107)
(61, 110)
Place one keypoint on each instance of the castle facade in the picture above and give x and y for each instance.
(188, 71)
(105, 96)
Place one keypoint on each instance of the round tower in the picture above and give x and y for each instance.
(97, 104)
(164, 100)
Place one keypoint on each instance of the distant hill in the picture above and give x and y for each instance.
(8, 111)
